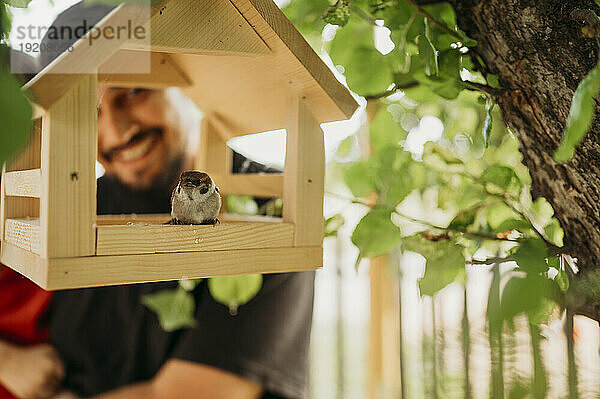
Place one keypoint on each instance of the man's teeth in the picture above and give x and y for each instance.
(135, 152)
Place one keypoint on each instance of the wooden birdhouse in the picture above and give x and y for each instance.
(250, 71)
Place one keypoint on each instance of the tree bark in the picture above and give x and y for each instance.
(540, 55)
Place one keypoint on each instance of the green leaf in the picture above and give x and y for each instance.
(375, 234)
(333, 224)
(174, 308)
(189, 284)
(442, 267)
(347, 147)
(499, 217)
(384, 131)
(396, 175)
(18, 3)
(15, 118)
(5, 22)
(562, 280)
(242, 205)
(580, 116)
(449, 63)
(541, 211)
(554, 233)
(464, 219)
(234, 291)
(353, 47)
(513, 224)
(492, 80)
(503, 177)
(337, 14)
(358, 178)
(429, 55)
(526, 295)
(531, 256)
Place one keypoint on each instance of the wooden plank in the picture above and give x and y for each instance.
(30, 156)
(68, 201)
(164, 71)
(147, 239)
(30, 265)
(37, 111)
(258, 185)
(384, 325)
(161, 218)
(323, 91)
(214, 157)
(23, 183)
(93, 271)
(67, 70)
(304, 175)
(24, 233)
(201, 27)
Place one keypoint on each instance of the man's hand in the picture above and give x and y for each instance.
(30, 372)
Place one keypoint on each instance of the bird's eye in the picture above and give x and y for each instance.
(204, 189)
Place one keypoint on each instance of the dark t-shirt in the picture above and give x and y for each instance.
(108, 339)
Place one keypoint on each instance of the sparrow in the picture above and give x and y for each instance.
(195, 199)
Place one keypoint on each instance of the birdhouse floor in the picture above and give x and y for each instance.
(140, 248)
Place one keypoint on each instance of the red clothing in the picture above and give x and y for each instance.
(22, 305)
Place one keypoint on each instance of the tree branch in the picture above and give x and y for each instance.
(392, 91)
(417, 6)
(479, 87)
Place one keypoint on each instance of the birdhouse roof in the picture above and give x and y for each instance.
(238, 60)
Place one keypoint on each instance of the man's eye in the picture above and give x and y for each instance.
(131, 97)
(133, 93)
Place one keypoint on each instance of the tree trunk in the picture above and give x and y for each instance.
(540, 55)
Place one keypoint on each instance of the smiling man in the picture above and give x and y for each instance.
(111, 345)
(140, 134)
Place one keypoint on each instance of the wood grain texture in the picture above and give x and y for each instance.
(214, 157)
(24, 233)
(313, 77)
(161, 218)
(30, 265)
(248, 93)
(384, 331)
(257, 185)
(201, 27)
(23, 183)
(304, 175)
(164, 71)
(67, 70)
(68, 201)
(143, 239)
(96, 271)
(30, 156)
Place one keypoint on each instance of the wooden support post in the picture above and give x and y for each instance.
(384, 334)
(304, 174)
(213, 156)
(69, 147)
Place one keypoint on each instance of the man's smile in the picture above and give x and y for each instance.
(136, 148)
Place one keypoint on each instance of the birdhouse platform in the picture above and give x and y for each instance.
(245, 65)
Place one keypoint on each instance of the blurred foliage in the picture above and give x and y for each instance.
(15, 118)
(439, 149)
